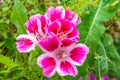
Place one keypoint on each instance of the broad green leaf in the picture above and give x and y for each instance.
(113, 56)
(6, 60)
(92, 28)
(117, 45)
(19, 16)
(114, 69)
(101, 62)
(110, 48)
(109, 60)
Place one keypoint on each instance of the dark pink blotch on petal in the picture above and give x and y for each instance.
(74, 33)
(67, 69)
(48, 64)
(69, 30)
(23, 45)
(79, 53)
(55, 27)
(66, 26)
(67, 42)
(32, 23)
(54, 13)
(49, 44)
(43, 23)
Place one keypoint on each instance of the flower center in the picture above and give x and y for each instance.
(70, 16)
(62, 35)
(38, 36)
(61, 54)
(41, 37)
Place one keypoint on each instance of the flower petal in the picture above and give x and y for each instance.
(49, 44)
(105, 78)
(74, 33)
(66, 26)
(25, 43)
(55, 27)
(65, 68)
(64, 29)
(61, 25)
(67, 42)
(80, 78)
(92, 76)
(35, 23)
(54, 13)
(48, 64)
(72, 16)
(79, 53)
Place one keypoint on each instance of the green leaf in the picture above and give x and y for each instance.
(101, 62)
(109, 58)
(92, 28)
(19, 16)
(10, 44)
(114, 69)
(113, 56)
(110, 48)
(6, 60)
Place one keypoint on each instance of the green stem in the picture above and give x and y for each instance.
(99, 75)
(30, 57)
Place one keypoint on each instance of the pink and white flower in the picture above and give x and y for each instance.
(37, 31)
(55, 22)
(61, 59)
(59, 13)
(65, 31)
(56, 34)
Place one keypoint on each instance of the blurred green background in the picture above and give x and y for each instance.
(100, 30)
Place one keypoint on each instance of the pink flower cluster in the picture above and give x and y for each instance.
(56, 34)
(93, 77)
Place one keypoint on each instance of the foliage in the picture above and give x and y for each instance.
(103, 57)
(19, 16)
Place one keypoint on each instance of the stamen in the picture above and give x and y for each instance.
(70, 17)
(62, 35)
(38, 36)
(61, 54)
